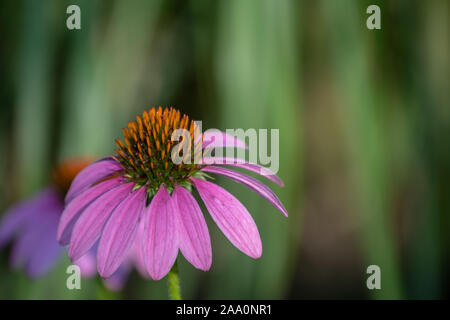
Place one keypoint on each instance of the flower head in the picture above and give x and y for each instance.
(33, 223)
(140, 199)
(145, 153)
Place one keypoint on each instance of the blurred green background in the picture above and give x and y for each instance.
(364, 118)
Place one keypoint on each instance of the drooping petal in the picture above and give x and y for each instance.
(89, 225)
(15, 217)
(119, 278)
(136, 255)
(257, 186)
(87, 263)
(46, 249)
(195, 243)
(12, 221)
(254, 167)
(91, 174)
(231, 217)
(119, 232)
(36, 247)
(25, 244)
(73, 210)
(160, 247)
(211, 140)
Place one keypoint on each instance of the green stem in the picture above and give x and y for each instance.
(174, 283)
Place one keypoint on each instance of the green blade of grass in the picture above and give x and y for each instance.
(361, 120)
(258, 88)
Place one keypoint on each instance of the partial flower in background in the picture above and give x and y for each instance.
(140, 191)
(32, 224)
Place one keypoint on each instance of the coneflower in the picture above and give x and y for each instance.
(32, 226)
(109, 200)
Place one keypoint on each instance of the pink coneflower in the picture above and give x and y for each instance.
(140, 185)
(33, 223)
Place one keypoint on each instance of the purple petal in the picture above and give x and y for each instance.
(46, 249)
(119, 232)
(118, 279)
(254, 167)
(74, 208)
(90, 175)
(87, 263)
(25, 240)
(252, 183)
(137, 252)
(25, 244)
(36, 246)
(89, 225)
(231, 217)
(195, 243)
(210, 140)
(15, 217)
(160, 247)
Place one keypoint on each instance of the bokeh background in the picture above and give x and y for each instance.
(364, 119)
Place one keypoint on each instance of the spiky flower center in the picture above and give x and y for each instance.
(145, 154)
